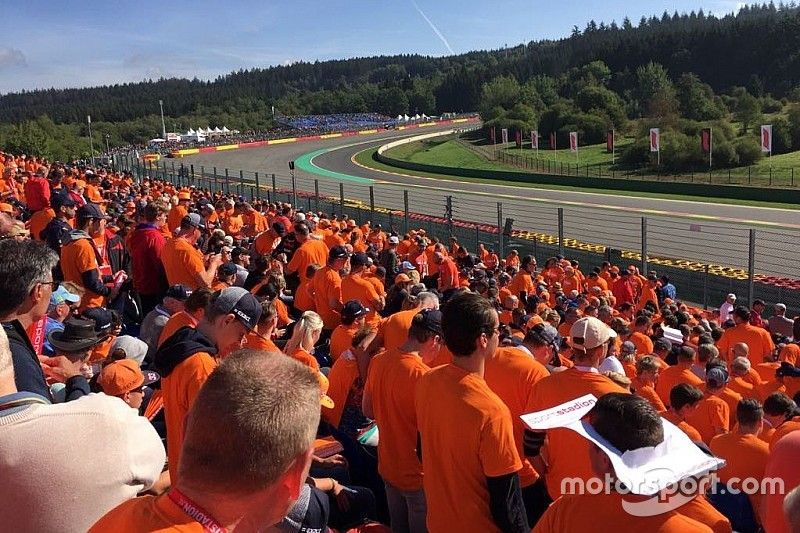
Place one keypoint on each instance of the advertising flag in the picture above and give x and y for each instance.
(705, 140)
(610, 141)
(535, 140)
(766, 138)
(504, 135)
(553, 140)
(655, 140)
(492, 135)
(573, 141)
(518, 138)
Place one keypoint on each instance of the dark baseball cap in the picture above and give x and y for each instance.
(192, 220)
(227, 269)
(239, 251)
(178, 292)
(338, 252)
(103, 318)
(353, 309)
(430, 319)
(359, 259)
(240, 303)
(88, 211)
(61, 200)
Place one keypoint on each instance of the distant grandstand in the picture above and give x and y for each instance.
(336, 122)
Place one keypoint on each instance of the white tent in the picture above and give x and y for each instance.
(190, 132)
(406, 118)
(217, 130)
(416, 117)
(225, 129)
(425, 116)
(399, 117)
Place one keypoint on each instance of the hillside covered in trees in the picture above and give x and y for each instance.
(601, 76)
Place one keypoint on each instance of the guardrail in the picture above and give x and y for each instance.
(752, 263)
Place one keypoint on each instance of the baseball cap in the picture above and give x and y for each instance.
(240, 303)
(359, 259)
(394, 239)
(717, 376)
(780, 306)
(90, 210)
(401, 278)
(589, 332)
(61, 200)
(124, 376)
(353, 309)
(6, 208)
(62, 295)
(192, 220)
(178, 292)
(239, 251)
(430, 319)
(628, 347)
(227, 269)
(103, 318)
(338, 252)
(184, 195)
(543, 334)
(407, 265)
(731, 296)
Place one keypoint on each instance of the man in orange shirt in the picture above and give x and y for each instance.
(522, 285)
(183, 262)
(646, 377)
(267, 241)
(471, 484)
(81, 261)
(353, 314)
(393, 331)
(744, 453)
(187, 358)
(327, 288)
(683, 401)
(448, 271)
(712, 416)
(220, 488)
(178, 211)
(757, 339)
(639, 337)
(310, 251)
(389, 398)
(356, 287)
(565, 454)
(680, 373)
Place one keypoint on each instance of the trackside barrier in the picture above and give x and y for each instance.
(538, 231)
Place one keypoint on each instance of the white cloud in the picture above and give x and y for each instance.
(11, 57)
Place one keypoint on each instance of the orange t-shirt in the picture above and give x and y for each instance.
(283, 312)
(675, 375)
(304, 296)
(757, 339)
(589, 512)
(784, 429)
(732, 398)
(522, 282)
(395, 328)
(78, 257)
(147, 513)
(356, 287)
(712, 413)
(467, 436)
(682, 425)
(700, 510)
(341, 339)
(39, 220)
(254, 341)
(327, 287)
(182, 263)
(391, 384)
(566, 453)
(306, 358)
(180, 388)
(649, 393)
(745, 456)
(512, 374)
(174, 323)
(782, 464)
(233, 225)
(343, 374)
(789, 353)
(310, 252)
(643, 343)
(175, 216)
(266, 242)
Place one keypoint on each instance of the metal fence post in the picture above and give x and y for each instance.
(560, 231)
(448, 214)
(274, 189)
(500, 237)
(216, 180)
(405, 210)
(294, 190)
(751, 268)
(644, 246)
(316, 195)
(372, 203)
(227, 182)
(241, 182)
(341, 199)
(705, 289)
(258, 188)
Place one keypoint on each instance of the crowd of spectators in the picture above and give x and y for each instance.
(183, 360)
(337, 122)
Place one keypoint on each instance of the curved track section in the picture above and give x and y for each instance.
(696, 231)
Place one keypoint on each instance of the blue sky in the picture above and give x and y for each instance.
(84, 43)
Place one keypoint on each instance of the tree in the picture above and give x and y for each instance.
(654, 94)
(748, 108)
(696, 99)
(392, 101)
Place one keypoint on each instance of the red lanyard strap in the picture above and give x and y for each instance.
(195, 512)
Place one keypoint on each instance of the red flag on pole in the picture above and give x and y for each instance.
(553, 140)
(766, 138)
(610, 141)
(492, 135)
(519, 138)
(535, 140)
(655, 140)
(504, 135)
(705, 140)
(573, 141)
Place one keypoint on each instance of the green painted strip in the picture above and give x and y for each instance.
(306, 163)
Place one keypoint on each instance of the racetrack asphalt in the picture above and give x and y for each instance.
(696, 231)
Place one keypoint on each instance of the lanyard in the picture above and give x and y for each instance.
(195, 512)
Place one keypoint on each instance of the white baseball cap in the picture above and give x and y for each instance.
(590, 332)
